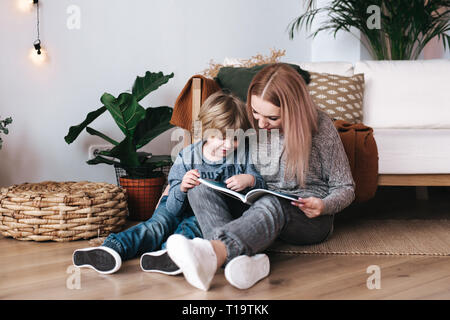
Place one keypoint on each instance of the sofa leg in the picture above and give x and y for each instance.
(422, 193)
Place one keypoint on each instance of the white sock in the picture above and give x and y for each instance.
(244, 271)
(196, 258)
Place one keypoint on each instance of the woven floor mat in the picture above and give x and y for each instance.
(380, 237)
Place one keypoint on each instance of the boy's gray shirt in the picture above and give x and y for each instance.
(328, 177)
(191, 157)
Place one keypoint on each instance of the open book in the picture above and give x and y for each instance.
(250, 196)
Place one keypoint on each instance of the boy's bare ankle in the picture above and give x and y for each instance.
(221, 252)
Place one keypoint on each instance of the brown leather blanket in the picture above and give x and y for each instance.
(182, 110)
(362, 153)
(358, 140)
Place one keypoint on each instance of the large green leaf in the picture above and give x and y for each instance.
(125, 152)
(143, 155)
(100, 159)
(158, 161)
(125, 110)
(150, 82)
(101, 135)
(74, 131)
(149, 168)
(156, 121)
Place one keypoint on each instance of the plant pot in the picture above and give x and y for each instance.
(143, 195)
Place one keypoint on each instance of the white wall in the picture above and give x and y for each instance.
(118, 40)
(326, 47)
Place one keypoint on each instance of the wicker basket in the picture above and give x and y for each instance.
(62, 211)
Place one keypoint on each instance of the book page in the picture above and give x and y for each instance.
(219, 186)
(253, 195)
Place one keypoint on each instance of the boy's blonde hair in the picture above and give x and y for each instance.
(222, 111)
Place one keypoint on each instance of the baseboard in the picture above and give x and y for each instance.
(414, 180)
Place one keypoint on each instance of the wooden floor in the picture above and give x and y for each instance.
(31, 270)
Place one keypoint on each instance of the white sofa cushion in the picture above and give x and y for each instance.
(406, 94)
(413, 151)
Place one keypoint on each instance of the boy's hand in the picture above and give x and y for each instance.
(190, 180)
(240, 181)
(312, 207)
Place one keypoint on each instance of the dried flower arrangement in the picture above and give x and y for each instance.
(258, 59)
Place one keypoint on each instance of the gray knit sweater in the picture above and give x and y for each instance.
(329, 176)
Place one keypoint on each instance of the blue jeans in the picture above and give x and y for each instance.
(151, 235)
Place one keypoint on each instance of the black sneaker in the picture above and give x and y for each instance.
(159, 261)
(102, 259)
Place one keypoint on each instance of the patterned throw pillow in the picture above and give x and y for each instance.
(340, 97)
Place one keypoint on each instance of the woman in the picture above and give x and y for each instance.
(312, 164)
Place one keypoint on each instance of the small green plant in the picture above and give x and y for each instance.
(405, 26)
(3, 129)
(139, 125)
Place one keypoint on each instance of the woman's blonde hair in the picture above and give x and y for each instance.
(222, 111)
(284, 87)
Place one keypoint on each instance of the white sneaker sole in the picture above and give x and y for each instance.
(243, 271)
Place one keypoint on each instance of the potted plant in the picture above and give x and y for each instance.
(3, 129)
(144, 178)
(404, 28)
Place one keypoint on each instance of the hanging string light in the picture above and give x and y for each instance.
(37, 43)
(38, 54)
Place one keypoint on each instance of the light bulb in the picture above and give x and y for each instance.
(38, 59)
(24, 5)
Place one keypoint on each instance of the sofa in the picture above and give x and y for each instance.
(406, 104)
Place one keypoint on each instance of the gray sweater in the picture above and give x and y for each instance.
(191, 157)
(329, 176)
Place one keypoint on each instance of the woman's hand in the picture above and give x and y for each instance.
(312, 207)
(190, 180)
(240, 181)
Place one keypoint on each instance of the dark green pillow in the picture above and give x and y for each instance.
(237, 80)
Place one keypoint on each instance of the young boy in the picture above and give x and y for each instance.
(216, 157)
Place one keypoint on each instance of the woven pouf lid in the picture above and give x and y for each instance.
(61, 211)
